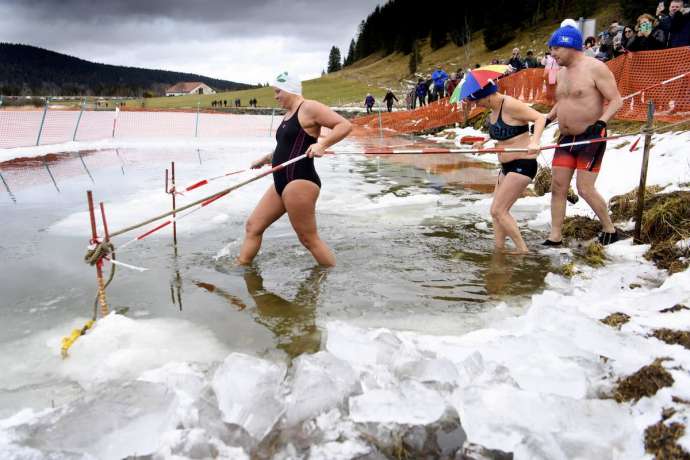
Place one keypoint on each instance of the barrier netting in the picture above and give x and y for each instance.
(662, 76)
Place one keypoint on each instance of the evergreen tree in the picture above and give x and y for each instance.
(334, 60)
(415, 58)
(350, 54)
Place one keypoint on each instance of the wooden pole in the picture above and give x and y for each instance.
(99, 265)
(643, 173)
(174, 192)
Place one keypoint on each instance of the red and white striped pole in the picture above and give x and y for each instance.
(438, 150)
(201, 203)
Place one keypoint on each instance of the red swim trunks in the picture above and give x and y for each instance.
(586, 157)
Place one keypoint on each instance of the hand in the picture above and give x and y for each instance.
(316, 150)
(478, 145)
(598, 128)
(533, 149)
(659, 9)
(257, 164)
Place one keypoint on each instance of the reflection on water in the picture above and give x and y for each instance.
(293, 323)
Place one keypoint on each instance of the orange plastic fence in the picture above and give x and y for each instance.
(640, 73)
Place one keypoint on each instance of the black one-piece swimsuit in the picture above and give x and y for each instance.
(293, 141)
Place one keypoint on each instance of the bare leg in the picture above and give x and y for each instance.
(560, 181)
(510, 190)
(585, 188)
(300, 202)
(499, 233)
(269, 209)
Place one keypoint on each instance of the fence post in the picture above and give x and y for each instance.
(270, 128)
(43, 119)
(380, 123)
(643, 173)
(76, 127)
(196, 123)
(117, 112)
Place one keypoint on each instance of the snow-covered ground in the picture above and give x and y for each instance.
(536, 382)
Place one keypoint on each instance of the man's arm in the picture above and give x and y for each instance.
(606, 84)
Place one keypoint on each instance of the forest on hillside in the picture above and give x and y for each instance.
(397, 25)
(29, 70)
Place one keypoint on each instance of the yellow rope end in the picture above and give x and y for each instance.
(68, 341)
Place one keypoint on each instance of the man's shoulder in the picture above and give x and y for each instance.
(595, 65)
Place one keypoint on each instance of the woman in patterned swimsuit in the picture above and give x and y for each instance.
(296, 187)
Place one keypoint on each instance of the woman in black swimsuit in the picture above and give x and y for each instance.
(296, 187)
(508, 126)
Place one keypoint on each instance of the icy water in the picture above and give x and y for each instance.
(410, 236)
(404, 234)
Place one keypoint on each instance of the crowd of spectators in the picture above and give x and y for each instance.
(668, 28)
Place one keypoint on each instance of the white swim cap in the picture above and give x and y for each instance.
(570, 23)
(288, 82)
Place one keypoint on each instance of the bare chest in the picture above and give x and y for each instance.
(575, 86)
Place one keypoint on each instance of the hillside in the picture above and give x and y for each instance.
(28, 70)
(377, 71)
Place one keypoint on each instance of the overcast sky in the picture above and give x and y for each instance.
(240, 40)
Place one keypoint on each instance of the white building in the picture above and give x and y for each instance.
(189, 87)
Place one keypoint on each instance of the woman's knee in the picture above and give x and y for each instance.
(253, 227)
(308, 240)
(497, 212)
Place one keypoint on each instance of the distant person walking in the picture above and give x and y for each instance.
(369, 102)
(421, 91)
(388, 99)
(439, 77)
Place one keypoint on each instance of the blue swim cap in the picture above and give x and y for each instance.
(488, 90)
(567, 37)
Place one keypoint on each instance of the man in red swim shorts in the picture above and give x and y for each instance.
(582, 85)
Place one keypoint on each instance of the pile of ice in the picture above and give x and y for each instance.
(538, 385)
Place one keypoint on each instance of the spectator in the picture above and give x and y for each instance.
(430, 94)
(515, 61)
(421, 91)
(551, 68)
(649, 35)
(476, 66)
(225, 102)
(369, 102)
(530, 61)
(610, 39)
(388, 99)
(409, 99)
(628, 37)
(676, 25)
(493, 61)
(439, 76)
(452, 83)
(591, 47)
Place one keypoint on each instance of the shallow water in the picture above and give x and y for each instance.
(410, 254)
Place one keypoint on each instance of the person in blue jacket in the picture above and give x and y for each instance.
(421, 91)
(439, 77)
(369, 102)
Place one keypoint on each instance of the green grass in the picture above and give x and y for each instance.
(332, 90)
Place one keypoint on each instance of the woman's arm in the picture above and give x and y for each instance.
(320, 115)
(524, 113)
(264, 160)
